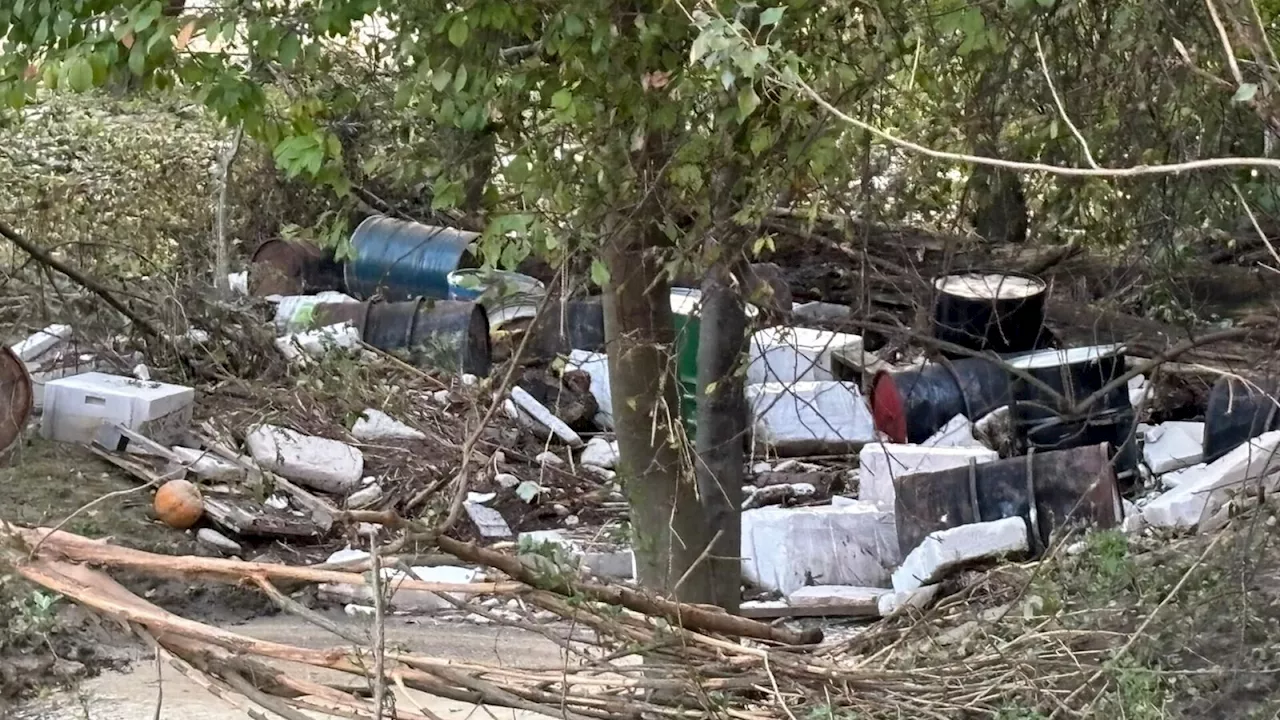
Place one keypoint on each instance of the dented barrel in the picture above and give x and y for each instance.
(449, 335)
(399, 260)
(16, 398)
(289, 267)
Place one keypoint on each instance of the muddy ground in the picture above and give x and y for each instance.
(46, 641)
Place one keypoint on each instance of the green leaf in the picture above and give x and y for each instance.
(1246, 93)
(440, 79)
(599, 273)
(79, 74)
(770, 16)
(562, 99)
(458, 32)
(748, 101)
(62, 26)
(460, 78)
(290, 46)
(138, 59)
(761, 139)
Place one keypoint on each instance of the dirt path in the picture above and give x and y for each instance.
(132, 695)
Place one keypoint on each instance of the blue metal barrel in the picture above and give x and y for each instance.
(403, 260)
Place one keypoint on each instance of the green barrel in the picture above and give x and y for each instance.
(686, 313)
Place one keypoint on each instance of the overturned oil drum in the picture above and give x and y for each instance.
(1045, 422)
(398, 260)
(568, 325)
(1048, 490)
(16, 398)
(997, 311)
(1237, 412)
(288, 267)
(445, 334)
(911, 405)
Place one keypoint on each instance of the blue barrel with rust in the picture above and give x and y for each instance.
(400, 260)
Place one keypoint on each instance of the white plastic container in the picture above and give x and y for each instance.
(77, 407)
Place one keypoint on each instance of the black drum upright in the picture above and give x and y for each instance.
(1047, 421)
(996, 311)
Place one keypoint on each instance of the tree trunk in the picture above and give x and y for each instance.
(722, 425)
(668, 528)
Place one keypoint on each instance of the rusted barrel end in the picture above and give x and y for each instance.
(16, 398)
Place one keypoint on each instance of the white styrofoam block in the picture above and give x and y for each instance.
(1171, 480)
(596, 365)
(320, 463)
(315, 343)
(945, 550)
(600, 453)
(810, 413)
(880, 463)
(77, 407)
(1203, 491)
(1173, 445)
(891, 602)
(41, 342)
(376, 425)
(792, 354)
(957, 432)
(238, 282)
(785, 549)
(845, 597)
(542, 414)
(42, 372)
(207, 465)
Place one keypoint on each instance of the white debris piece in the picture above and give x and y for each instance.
(785, 549)
(489, 522)
(946, 550)
(892, 602)
(596, 365)
(810, 416)
(76, 407)
(346, 555)
(881, 463)
(238, 282)
(1202, 491)
(207, 465)
(405, 599)
(41, 342)
(315, 343)
(958, 432)
(506, 480)
(818, 311)
(600, 453)
(546, 457)
(1173, 445)
(365, 497)
(296, 313)
(791, 354)
(995, 429)
(376, 425)
(324, 464)
(848, 599)
(1138, 390)
(218, 541)
(1173, 479)
(539, 412)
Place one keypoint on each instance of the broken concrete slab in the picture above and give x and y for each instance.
(944, 551)
(320, 463)
(374, 425)
(810, 416)
(1202, 492)
(489, 522)
(1173, 445)
(785, 549)
(792, 354)
(892, 603)
(600, 453)
(881, 463)
(957, 432)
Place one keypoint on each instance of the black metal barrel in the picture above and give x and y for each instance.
(1237, 412)
(911, 405)
(990, 310)
(451, 335)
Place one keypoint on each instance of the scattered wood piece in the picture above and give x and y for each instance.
(244, 516)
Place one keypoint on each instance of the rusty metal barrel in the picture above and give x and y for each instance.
(450, 335)
(16, 398)
(288, 267)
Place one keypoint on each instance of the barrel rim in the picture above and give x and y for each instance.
(14, 417)
(1058, 357)
(1042, 285)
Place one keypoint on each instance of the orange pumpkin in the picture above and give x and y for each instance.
(179, 504)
